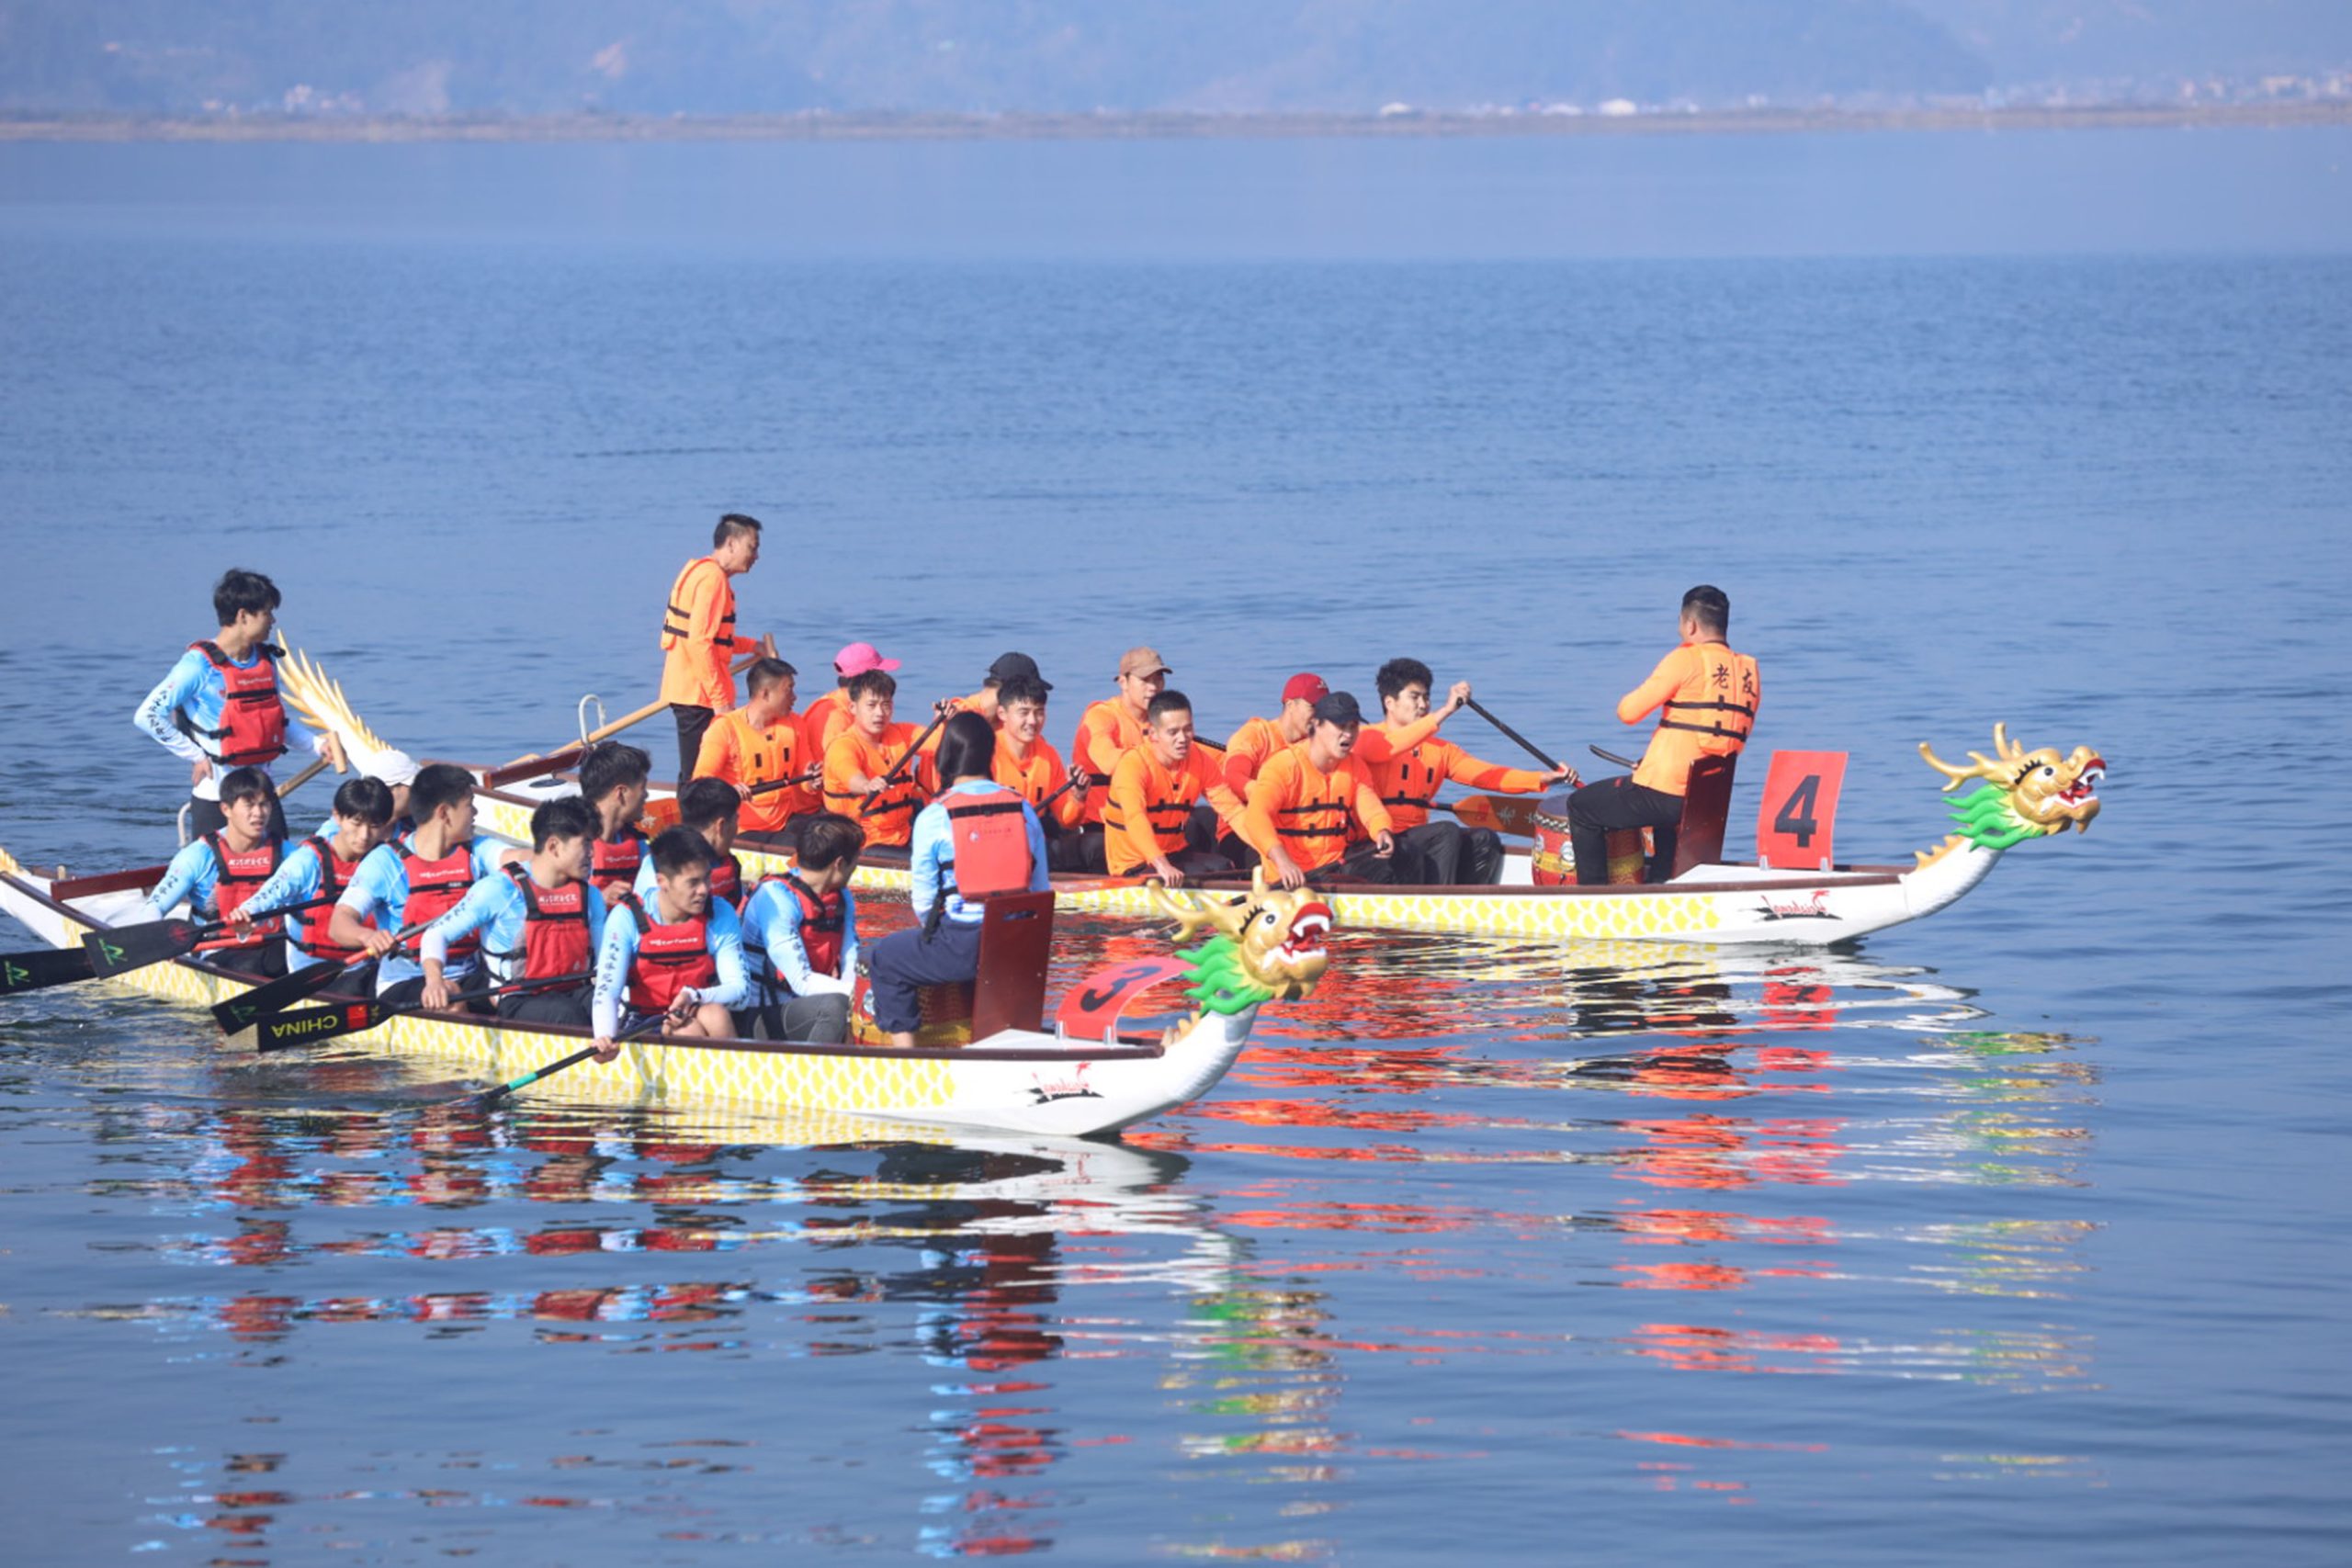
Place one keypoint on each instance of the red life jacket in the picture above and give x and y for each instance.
(727, 882)
(669, 959)
(335, 876)
(823, 922)
(252, 719)
(990, 833)
(239, 878)
(435, 886)
(614, 865)
(555, 929)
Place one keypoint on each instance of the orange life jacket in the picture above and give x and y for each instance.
(673, 625)
(434, 887)
(239, 877)
(990, 830)
(252, 719)
(335, 876)
(764, 756)
(614, 865)
(670, 958)
(555, 929)
(1710, 715)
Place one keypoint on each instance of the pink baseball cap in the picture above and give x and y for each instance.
(1309, 688)
(860, 657)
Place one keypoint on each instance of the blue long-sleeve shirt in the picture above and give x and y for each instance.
(931, 855)
(771, 923)
(617, 953)
(495, 909)
(195, 875)
(300, 878)
(378, 893)
(193, 686)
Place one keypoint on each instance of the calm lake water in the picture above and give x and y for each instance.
(2018, 1230)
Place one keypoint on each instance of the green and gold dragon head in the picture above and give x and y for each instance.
(1266, 946)
(2022, 795)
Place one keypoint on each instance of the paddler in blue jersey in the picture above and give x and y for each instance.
(400, 885)
(800, 938)
(613, 782)
(977, 839)
(538, 919)
(678, 956)
(321, 866)
(710, 807)
(395, 770)
(220, 871)
(218, 708)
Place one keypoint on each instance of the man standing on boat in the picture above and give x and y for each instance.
(1152, 824)
(699, 640)
(1027, 764)
(1109, 730)
(757, 748)
(218, 708)
(678, 956)
(1708, 695)
(1433, 852)
(219, 872)
(1310, 800)
(400, 885)
(537, 920)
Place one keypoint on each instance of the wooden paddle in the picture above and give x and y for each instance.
(305, 776)
(1528, 746)
(531, 765)
(488, 1098)
(1509, 814)
(241, 1011)
(117, 950)
(304, 1026)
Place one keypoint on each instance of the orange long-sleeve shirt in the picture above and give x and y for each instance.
(732, 750)
(699, 638)
(892, 820)
(1148, 803)
(1408, 779)
(1308, 812)
(1037, 775)
(1106, 732)
(1710, 695)
(1246, 750)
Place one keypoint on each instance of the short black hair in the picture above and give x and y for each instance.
(364, 799)
(606, 767)
(437, 784)
(239, 591)
(966, 749)
(729, 525)
(1399, 673)
(880, 681)
(1708, 606)
(1020, 689)
(766, 673)
(1168, 701)
(677, 849)
(826, 838)
(568, 818)
(244, 784)
(702, 803)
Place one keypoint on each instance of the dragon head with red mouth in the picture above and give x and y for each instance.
(1271, 947)
(2022, 795)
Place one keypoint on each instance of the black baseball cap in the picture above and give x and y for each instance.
(1009, 665)
(1339, 708)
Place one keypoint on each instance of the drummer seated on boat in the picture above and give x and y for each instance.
(1706, 697)
(613, 782)
(536, 920)
(321, 866)
(1108, 730)
(677, 957)
(1169, 801)
(800, 939)
(829, 714)
(710, 807)
(758, 748)
(1027, 764)
(1436, 852)
(976, 841)
(395, 770)
(218, 871)
(219, 708)
(859, 780)
(988, 701)
(399, 886)
(1311, 800)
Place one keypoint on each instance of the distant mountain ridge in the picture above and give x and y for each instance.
(714, 57)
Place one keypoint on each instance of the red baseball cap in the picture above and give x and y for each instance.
(1309, 688)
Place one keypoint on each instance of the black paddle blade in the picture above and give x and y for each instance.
(116, 949)
(306, 1026)
(46, 966)
(242, 1011)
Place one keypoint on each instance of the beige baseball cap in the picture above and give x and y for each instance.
(1143, 661)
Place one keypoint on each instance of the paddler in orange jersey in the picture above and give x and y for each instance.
(1257, 739)
(1709, 695)
(861, 755)
(987, 702)
(1437, 853)
(1027, 764)
(828, 715)
(1309, 800)
(1152, 823)
(613, 782)
(699, 640)
(759, 745)
(1108, 730)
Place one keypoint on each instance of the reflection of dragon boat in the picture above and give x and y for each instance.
(1083, 1076)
